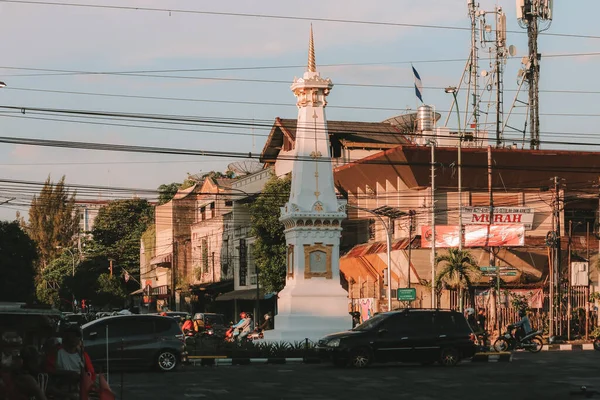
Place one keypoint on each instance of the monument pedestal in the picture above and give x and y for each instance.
(312, 309)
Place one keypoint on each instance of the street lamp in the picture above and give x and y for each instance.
(70, 252)
(453, 90)
(392, 214)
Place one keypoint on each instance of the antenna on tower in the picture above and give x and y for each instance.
(536, 17)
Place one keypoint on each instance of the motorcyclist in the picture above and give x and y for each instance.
(188, 325)
(472, 320)
(523, 326)
(244, 326)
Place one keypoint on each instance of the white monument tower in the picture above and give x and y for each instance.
(313, 302)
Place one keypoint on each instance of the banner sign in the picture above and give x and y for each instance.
(501, 216)
(474, 236)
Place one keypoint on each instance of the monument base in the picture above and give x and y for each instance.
(310, 311)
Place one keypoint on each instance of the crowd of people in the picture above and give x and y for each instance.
(61, 370)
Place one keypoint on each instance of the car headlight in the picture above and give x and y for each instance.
(333, 343)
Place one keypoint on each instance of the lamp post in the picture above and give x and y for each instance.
(392, 214)
(453, 91)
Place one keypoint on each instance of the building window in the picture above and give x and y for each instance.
(242, 254)
(290, 261)
(225, 257)
(317, 261)
(212, 210)
(204, 256)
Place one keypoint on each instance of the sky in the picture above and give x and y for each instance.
(199, 60)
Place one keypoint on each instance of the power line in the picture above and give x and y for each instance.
(270, 16)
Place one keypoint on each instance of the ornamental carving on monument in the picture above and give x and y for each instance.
(317, 261)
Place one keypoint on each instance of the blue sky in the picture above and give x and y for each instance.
(108, 40)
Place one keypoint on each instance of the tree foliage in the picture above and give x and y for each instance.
(459, 270)
(17, 257)
(167, 191)
(269, 246)
(117, 231)
(53, 220)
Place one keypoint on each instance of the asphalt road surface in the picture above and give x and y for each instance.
(546, 375)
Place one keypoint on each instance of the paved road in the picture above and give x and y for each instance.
(547, 375)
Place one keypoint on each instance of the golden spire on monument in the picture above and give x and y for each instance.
(312, 66)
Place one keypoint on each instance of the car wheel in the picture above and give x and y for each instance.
(597, 344)
(360, 357)
(166, 360)
(449, 357)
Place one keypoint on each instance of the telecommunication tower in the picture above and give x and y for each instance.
(536, 17)
(485, 97)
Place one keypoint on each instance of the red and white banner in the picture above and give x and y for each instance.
(474, 236)
(500, 216)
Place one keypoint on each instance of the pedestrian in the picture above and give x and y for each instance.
(481, 319)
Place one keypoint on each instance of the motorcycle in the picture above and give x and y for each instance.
(597, 344)
(507, 341)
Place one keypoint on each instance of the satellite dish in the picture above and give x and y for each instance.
(512, 50)
(524, 60)
(245, 167)
(484, 73)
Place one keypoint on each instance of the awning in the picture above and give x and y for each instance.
(161, 259)
(246, 294)
(214, 287)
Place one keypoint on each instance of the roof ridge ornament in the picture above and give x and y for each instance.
(312, 66)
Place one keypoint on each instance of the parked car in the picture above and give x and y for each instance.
(213, 321)
(411, 335)
(135, 341)
(177, 315)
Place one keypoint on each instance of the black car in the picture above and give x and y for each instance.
(412, 335)
(135, 341)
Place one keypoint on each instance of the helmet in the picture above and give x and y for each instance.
(242, 314)
(163, 314)
(188, 317)
(470, 311)
(522, 312)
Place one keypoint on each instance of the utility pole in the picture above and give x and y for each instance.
(411, 215)
(174, 266)
(557, 245)
(536, 17)
(433, 299)
(490, 249)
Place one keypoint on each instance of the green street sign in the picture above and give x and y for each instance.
(488, 268)
(502, 273)
(407, 294)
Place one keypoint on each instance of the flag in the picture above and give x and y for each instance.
(418, 84)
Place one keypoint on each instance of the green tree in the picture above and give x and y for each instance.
(167, 191)
(459, 270)
(269, 246)
(17, 257)
(53, 220)
(117, 231)
(52, 285)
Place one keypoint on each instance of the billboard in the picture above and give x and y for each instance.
(474, 236)
(500, 216)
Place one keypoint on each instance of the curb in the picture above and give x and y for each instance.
(224, 360)
(492, 357)
(568, 347)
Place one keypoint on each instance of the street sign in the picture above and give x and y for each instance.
(486, 268)
(407, 294)
(502, 273)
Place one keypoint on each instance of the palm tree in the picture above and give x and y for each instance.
(460, 268)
